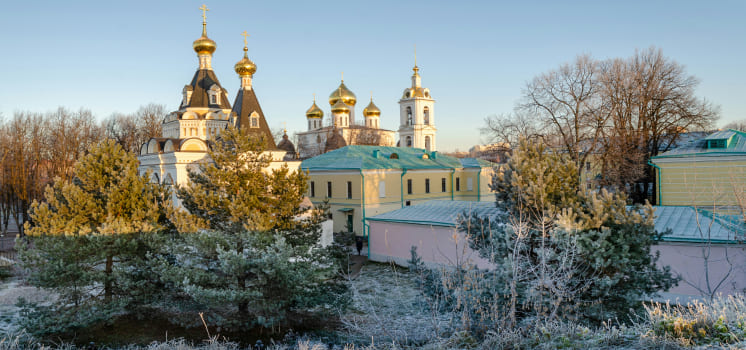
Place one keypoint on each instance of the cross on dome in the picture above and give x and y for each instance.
(204, 13)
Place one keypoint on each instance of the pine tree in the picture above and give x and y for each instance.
(247, 258)
(91, 240)
(561, 253)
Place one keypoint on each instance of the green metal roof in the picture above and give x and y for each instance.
(438, 213)
(735, 142)
(379, 157)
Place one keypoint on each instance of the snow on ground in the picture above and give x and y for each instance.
(10, 290)
(387, 307)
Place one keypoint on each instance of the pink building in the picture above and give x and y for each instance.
(432, 228)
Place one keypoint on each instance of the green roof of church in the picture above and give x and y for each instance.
(380, 157)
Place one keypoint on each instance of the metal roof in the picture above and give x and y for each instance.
(438, 212)
(699, 147)
(690, 225)
(720, 135)
(380, 157)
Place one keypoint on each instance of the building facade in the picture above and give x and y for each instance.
(358, 182)
(709, 173)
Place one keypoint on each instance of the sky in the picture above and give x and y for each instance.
(475, 56)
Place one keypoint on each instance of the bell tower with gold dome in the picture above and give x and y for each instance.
(416, 110)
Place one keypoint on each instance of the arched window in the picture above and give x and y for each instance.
(254, 120)
(427, 143)
(409, 141)
(409, 115)
(426, 114)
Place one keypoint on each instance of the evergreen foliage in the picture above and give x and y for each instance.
(92, 240)
(248, 257)
(558, 254)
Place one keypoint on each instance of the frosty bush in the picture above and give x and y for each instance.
(558, 254)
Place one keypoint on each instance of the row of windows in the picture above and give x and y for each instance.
(382, 187)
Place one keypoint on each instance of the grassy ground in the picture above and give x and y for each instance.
(388, 313)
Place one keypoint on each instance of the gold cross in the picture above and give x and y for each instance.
(314, 97)
(415, 55)
(285, 127)
(245, 38)
(343, 77)
(204, 13)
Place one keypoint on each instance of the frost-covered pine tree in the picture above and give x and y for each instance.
(247, 258)
(562, 254)
(91, 241)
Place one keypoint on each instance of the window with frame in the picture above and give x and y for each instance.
(427, 185)
(254, 120)
(458, 184)
(409, 186)
(349, 189)
(469, 184)
(443, 184)
(382, 189)
(313, 189)
(328, 189)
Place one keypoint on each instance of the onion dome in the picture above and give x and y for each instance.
(314, 112)
(340, 107)
(344, 94)
(372, 110)
(204, 44)
(286, 144)
(245, 66)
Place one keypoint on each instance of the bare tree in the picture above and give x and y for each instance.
(650, 102)
(508, 129)
(132, 130)
(567, 103)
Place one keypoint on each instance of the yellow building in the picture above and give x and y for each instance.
(708, 173)
(363, 181)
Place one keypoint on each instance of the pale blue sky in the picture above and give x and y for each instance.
(475, 56)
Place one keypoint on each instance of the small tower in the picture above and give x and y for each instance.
(372, 115)
(416, 110)
(344, 95)
(314, 115)
(247, 113)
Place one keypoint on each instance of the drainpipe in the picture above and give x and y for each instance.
(658, 183)
(366, 234)
(404, 172)
(479, 189)
(453, 170)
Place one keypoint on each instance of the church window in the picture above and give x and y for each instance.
(318, 138)
(442, 184)
(213, 99)
(427, 185)
(409, 115)
(409, 141)
(214, 93)
(409, 186)
(313, 189)
(254, 123)
(349, 189)
(427, 116)
(394, 156)
(328, 189)
(427, 143)
(427, 94)
(458, 184)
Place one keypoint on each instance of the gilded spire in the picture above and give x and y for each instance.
(204, 45)
(245, 67)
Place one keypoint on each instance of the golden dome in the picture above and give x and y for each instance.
(314, 112)
(245, 66)
(372, 110)
(340, 107)
(204, 44)
(344, 94)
